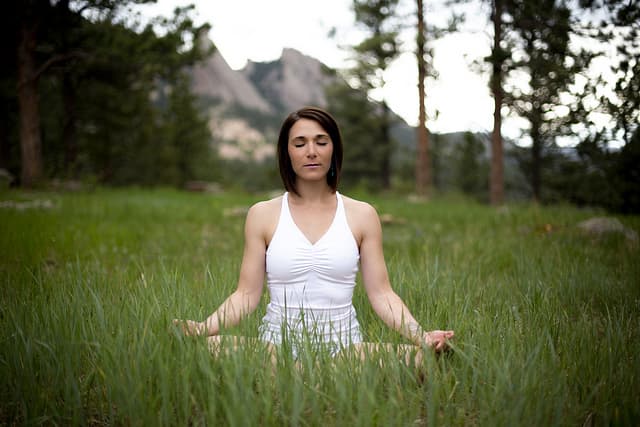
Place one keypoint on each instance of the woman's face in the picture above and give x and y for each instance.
(310, 149)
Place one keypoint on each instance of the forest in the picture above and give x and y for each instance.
(94, 94)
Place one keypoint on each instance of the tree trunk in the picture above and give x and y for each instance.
(423, 166)
(30, 142)
(496, 181)
(69, 129)
(4, 137)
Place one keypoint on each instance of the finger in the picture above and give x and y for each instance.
(446, 334)
(432, 341)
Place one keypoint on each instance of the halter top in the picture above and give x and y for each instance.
(311, 284)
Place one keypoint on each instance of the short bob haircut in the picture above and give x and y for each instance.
(328, 123)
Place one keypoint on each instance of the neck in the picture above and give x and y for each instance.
(312, 191)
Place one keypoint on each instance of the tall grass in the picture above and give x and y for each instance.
(547, 319)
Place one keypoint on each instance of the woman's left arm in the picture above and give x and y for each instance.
(385, 302)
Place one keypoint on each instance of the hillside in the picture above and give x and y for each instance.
(246, 107)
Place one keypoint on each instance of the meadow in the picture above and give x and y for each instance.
(547, 319)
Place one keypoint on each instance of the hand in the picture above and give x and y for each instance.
(190, 327)
(438, 340)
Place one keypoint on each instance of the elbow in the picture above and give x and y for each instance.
(380, 305)
(382, 300)
(385, 303)
(249, 301)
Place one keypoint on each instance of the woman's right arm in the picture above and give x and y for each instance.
(244, 300)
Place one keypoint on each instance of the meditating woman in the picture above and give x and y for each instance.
(310, 242)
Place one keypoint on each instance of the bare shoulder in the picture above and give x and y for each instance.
(359, 210)
(362, 218)
(262, 217)
(266, 207)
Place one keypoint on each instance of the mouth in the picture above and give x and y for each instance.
(312, 165)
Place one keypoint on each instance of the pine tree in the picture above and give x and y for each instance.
(618, 25)
(373, 56)
(359, 127)
(542, 30)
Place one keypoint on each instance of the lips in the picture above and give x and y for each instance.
(312, 165)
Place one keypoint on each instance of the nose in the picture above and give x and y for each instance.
(312, 150)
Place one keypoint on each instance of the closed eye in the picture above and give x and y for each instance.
(298, 142)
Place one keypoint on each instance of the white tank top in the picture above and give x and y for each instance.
(311, 285)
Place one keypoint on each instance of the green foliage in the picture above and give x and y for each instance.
(542, 34)
(187, 137)
(381, 46)
(360, 129)
(598, 177)
(535, 41)
(545, 318)
(627, 175)
(617, 24)
(460, 164)
(471, 168)
(99, 79)
(250, 175)
(372, 56)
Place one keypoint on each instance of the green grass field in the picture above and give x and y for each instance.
(547, 319)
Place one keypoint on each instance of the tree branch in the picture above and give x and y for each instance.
(50, 62)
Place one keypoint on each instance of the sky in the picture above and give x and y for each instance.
(258, 30)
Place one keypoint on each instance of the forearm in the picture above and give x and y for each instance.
(237, 306)
(395, 314)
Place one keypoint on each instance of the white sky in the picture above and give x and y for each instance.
(258, 30)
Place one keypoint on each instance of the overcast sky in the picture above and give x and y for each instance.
(258, 30)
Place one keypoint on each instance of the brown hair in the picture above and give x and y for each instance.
(329, 124)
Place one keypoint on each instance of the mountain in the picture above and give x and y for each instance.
(246, 107)
(214, 80)
(291, 82)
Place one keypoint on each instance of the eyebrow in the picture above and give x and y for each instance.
(302, 137)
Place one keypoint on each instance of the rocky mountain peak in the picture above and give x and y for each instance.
(213, 79)
(290, 82)
(245, 107)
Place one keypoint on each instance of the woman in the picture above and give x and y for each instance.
(309, 242)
